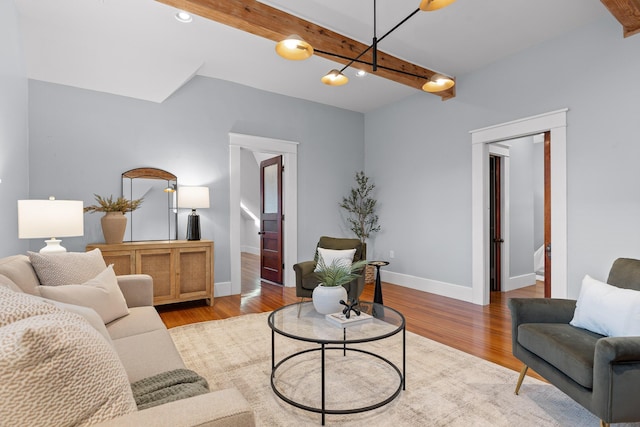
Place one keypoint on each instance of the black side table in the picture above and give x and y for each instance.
(377, 295)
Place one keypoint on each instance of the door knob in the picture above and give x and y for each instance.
(260, 232)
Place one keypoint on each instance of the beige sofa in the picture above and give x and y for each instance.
(145, 348)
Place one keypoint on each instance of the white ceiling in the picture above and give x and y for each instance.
(136, 48)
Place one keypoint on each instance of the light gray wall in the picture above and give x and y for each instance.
(521, 207)
(81, 141)
(419, 153)
(14, 136)
(250, 188)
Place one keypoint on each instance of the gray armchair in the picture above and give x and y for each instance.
(306, 280)
(600, 373)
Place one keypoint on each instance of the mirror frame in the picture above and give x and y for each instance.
(154, 173)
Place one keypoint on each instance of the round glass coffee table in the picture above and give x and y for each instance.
(300, 322)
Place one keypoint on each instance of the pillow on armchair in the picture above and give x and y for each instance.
(329, 256)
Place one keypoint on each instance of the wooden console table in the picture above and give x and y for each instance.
(182, 270)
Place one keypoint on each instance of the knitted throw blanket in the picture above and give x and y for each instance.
(168, 387)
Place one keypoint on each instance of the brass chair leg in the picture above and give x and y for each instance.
(523, 372)
(300, 305)
(603, 424)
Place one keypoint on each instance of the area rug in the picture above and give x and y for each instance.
(444, 386)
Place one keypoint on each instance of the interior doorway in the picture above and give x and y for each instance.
(273, 147)
(555, 123)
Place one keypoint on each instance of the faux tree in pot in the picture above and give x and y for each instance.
(362, 219)
(326, 296)
(114, 223)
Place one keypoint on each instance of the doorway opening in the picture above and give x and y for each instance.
(554, 123)
(272, 147)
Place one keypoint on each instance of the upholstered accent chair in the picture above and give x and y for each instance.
(306, 280)
(600, 373)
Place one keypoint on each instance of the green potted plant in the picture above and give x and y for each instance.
(327, 295)
(362, 217)
(114, 223)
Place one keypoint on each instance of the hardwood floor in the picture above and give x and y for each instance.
(482, 331)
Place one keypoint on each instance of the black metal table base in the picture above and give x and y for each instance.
(323, 349)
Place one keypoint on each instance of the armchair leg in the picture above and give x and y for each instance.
(603, 424)
(300, 305)
(523, 372)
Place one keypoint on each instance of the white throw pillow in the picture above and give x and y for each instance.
(607, 310)
(101, 293)
(341, 257)
(68, 267)
(55, 369)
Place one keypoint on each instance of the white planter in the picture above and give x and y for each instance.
(326, 299)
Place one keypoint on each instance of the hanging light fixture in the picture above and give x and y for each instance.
(334, 78)
(438, 83)
(295, 48)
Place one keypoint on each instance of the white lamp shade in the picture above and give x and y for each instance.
(50, 218)
(193, 197)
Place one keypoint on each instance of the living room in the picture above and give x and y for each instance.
(71, 143)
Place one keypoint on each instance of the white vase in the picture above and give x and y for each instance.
(326, 299)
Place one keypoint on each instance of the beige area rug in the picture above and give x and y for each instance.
(444, 387)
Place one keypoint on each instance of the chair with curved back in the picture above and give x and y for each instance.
(307, 281)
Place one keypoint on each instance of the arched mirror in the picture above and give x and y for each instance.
(157, 216)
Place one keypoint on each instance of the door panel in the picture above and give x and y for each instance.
(547, 214)
(271, 247)
(495, 223)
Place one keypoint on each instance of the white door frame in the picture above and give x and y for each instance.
(289, 152)
(556, 123)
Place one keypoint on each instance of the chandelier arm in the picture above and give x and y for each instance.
(359, 61)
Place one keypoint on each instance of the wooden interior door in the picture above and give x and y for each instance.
(495, 223)
(547, 214)
(271, 242)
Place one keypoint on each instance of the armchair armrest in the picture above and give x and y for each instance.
(541, 310)
(137, 289)
(218, 408)
(304, 268)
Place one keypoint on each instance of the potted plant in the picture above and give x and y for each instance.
(327, 295)
(362, 219)
(114, 223)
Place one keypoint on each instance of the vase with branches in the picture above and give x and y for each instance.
(114, 223)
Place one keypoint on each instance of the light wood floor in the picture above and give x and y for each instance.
(482, 331)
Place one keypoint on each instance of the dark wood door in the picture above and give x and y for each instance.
(495, 221)
(271, 246)
(547, 214)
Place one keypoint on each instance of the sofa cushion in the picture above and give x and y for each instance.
(139, 321)
(569, 349)
(87, 313)
(7, 283)
(607, 310)
(148, 354)
(55, 369)
(68, 267)
(100, 293)
(19, 270)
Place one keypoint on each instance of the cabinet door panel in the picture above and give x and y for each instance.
(124, 262)
(194, 273)
(159, 264)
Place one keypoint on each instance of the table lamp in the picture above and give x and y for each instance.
(47, 218)
(193, 198)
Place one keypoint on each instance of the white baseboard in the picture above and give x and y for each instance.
(463, 293)
(250, 249)
(518, 282)
(221, 289)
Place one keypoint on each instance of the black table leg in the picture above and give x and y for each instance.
(377, 297)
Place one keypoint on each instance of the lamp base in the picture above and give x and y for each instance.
(193, 226)
(53, 246)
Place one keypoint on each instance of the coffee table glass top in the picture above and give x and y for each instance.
(312, 326)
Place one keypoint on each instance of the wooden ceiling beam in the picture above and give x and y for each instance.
(627, 12)
(265, 21)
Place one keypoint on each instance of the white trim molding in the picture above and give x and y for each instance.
(556, 123)
(449, 290)
(289, 152)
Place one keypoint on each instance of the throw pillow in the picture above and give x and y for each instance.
(55, 369)
(101, 293)
(607, 310)
(67, 267)
(329, 256)
(87, 313)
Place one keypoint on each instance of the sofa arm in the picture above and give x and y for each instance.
(616, 375)
(137, 289)
(220, 408)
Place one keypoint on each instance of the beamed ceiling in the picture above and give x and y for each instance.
(136, 48)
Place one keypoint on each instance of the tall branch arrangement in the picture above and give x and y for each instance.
(361, 207)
